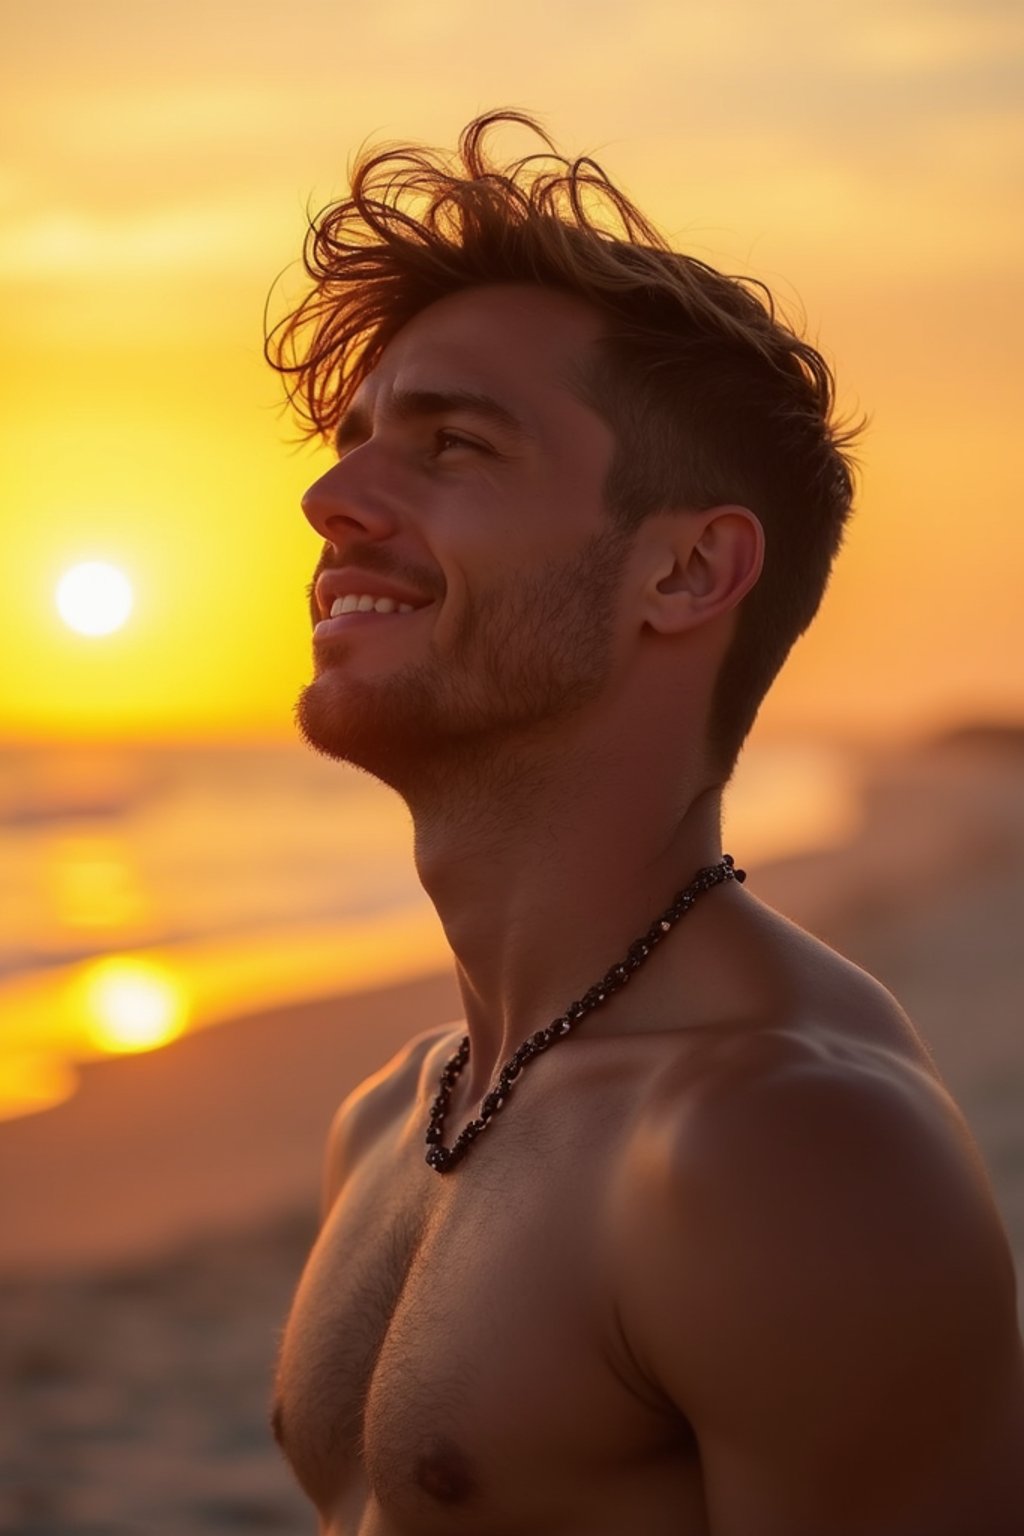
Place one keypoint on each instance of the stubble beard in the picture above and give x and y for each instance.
(523, 661)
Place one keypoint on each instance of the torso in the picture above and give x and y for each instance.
(455, 1359)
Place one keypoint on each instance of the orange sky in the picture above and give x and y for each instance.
(862, 158)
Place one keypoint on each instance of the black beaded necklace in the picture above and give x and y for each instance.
(442, 1158)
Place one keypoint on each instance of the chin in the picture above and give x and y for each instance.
(343, 727)
(392, 730)
(426, 726)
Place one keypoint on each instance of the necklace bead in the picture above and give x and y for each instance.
(441, 1158)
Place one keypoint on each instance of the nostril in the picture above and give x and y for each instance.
(344, 500)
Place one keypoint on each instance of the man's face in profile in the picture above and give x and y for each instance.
(483, 531)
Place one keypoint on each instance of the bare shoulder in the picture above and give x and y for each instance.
(822, 1111)
(819, 1278)
(835, 1100)
(374, 1104)
(806, 1055)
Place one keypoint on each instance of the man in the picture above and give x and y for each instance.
(725, 1260)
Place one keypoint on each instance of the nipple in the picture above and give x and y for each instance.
(445, 1473)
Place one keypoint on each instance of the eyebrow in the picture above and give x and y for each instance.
(414, 404)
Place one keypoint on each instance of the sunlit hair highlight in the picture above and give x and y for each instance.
(712, 396)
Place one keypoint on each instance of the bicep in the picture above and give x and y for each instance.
(900, 1415)
(833, 1309)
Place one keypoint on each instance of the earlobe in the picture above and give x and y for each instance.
(705, 568)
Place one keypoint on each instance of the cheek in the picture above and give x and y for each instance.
(489, 537)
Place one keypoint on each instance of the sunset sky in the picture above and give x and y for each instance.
(864, 159)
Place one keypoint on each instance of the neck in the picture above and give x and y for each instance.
(545, 867)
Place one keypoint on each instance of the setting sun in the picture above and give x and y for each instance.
(94, 598)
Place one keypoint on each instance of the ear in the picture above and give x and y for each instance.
(699, 565)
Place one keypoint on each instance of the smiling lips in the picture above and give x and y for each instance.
(350, 603)
(347, 597)
(348, 590)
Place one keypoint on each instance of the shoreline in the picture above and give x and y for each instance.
(224, 1127)
(218, 1131)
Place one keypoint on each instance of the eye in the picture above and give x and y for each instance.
(457, 439)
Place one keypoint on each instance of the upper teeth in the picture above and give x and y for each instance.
(353, 603)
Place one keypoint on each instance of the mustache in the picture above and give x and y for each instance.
(371, 557)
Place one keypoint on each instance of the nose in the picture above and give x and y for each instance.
(339, 505)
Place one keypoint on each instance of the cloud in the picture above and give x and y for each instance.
(877, 131)
(74, 242)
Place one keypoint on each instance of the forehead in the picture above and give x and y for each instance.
(520, 342)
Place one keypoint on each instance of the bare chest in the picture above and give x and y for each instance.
(452, 1357)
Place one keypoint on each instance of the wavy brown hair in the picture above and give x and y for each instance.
(712, 397)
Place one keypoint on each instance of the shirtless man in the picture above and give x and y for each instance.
(721, 1259)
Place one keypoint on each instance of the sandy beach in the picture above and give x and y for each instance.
(152, 1230)
(153, 1227)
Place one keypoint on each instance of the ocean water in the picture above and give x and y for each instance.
(149, 889)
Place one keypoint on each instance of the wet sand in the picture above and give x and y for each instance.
(153, 1228)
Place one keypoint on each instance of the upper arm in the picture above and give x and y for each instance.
(822, 1285)
(360, 1116)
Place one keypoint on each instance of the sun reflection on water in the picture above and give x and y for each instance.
(33, 1080)
(130, 1003)
(144, 897)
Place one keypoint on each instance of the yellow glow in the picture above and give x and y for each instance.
(30, 1082)
(131, 1004)
(861, 160)
(94, 598)
(134, 1002)
(788, 798)
(91, 885)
